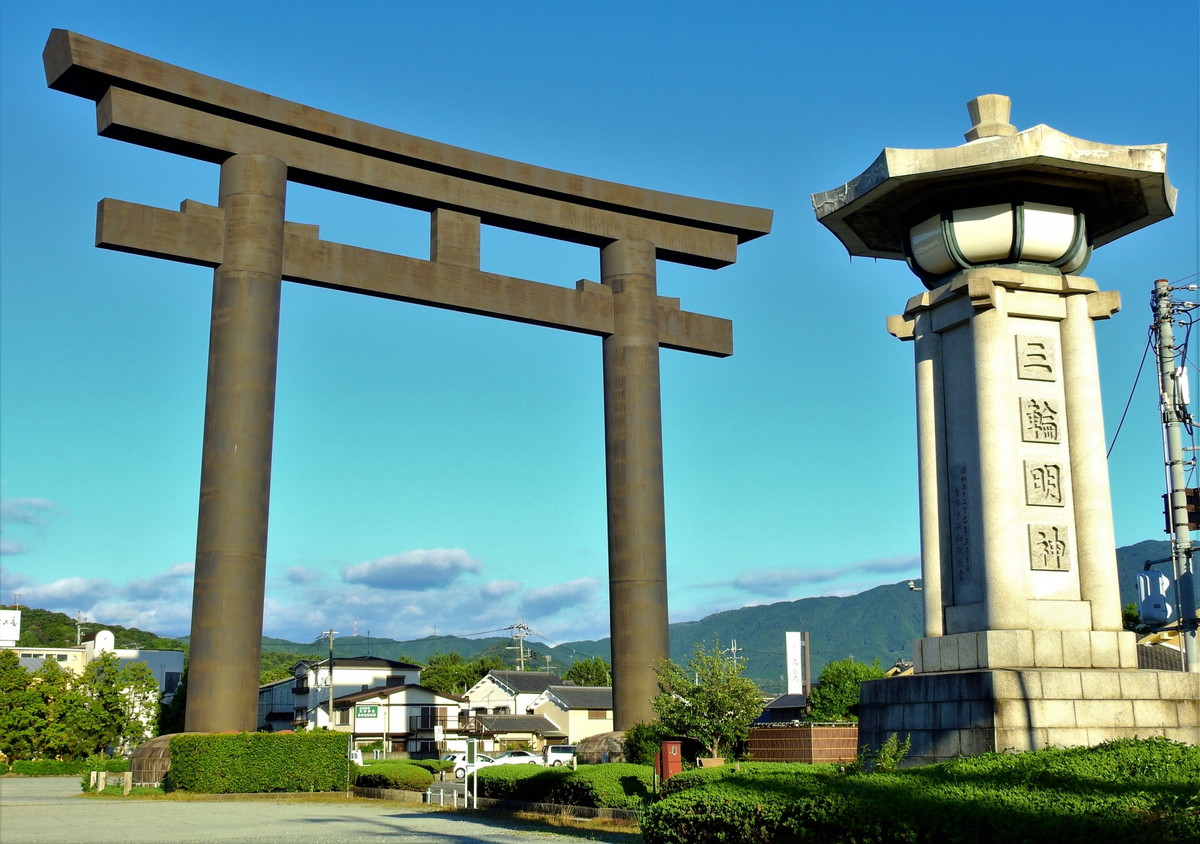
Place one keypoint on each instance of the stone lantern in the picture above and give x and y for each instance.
(1023, 644)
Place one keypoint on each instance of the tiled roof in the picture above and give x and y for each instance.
(788, 702)
(363, 662)
(584, 697)
(519, 724)
(386, 691)
(525, 682)
(1159, 658)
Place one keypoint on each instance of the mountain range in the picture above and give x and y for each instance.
(878, 624)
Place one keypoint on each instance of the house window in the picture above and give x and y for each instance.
(500, 710)
(343, 717)
(598, 714)
(171, 682)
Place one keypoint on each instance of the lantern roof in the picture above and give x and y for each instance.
(1120, 189)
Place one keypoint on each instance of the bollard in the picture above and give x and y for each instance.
(126, 783)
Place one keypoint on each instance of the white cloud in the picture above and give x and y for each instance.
(26, 513)
(75, 592)
(173, 584)
(779, 582)
(25, 510)
(548, 600)
(414, 571)
(499, 588)
(302, 574)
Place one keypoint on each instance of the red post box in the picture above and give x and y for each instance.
(669, 760)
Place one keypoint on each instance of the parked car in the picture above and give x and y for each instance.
(518, 757)
(555, 755)
(460, 763)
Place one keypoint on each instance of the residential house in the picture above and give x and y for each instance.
(310, 689)
(405, 717)
(577, 711)
(500, 710)
(508, 692)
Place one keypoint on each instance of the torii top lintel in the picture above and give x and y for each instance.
(156, 104)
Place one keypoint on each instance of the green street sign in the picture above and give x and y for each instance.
(366, 711)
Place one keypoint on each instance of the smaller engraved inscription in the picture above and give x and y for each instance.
(1039, 420)
(960, 523)
(1048, 549)
(1043, 484)
(1037, 359)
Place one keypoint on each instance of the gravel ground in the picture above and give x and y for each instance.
(36, 810)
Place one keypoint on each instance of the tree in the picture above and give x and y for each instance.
(452, 674)
(835, 697)
(19, 705)
(58, 701)
(121, 704)
(590, 672)
(708, 700)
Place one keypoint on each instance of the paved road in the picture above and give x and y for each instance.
(41, 810)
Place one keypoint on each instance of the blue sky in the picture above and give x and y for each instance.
(444, 472)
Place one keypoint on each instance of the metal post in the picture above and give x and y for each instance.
(637, 556)
(1171, 402)
(235, 477)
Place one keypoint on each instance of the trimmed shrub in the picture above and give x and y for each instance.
(616, 785)
(76, 767)
(526, 783)
(434, 766)
(1118, 791)
(401, 775)
(766, 772)
(252, 763)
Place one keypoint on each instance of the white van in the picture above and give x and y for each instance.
(558, 754)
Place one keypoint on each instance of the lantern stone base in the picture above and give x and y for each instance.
(1025, 649)
(964, 713)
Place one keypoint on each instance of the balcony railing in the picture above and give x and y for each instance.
(300, 689)
(428, 722)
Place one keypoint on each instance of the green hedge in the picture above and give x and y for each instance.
(252, 763)
(527, 783)
(434, 766)
(766, 772)
(616, 785)
(1127, 790)
(74, 768)
(401, 775)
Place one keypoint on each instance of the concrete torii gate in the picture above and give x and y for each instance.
(263, 142)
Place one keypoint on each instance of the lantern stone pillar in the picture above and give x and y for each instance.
(1023, 644)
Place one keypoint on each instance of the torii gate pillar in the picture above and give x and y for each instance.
(637, 544)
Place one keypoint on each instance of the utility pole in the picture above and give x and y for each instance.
(330, 634)
(519, 631)
(1174, 414)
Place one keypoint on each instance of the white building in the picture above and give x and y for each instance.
(302, 702)
(508, 692)
(165, 665)
(408, 717)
